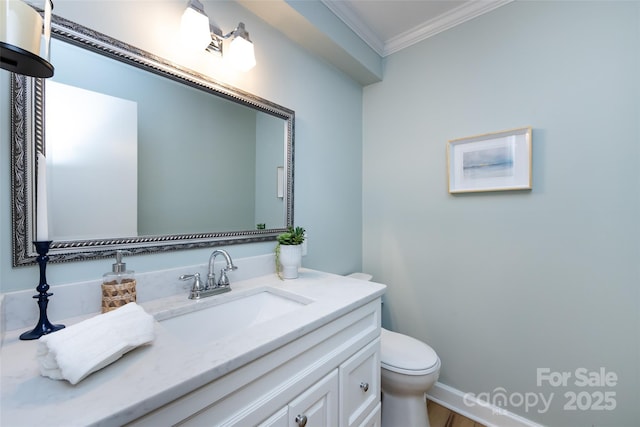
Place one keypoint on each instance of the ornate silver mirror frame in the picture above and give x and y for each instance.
(28, 139)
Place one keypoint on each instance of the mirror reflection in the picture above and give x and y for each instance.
(149, 156)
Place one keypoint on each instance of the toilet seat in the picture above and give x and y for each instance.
(406, 355)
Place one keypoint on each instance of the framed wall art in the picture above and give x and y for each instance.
(491, 162)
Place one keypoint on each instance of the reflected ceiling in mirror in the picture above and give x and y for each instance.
(213, 163)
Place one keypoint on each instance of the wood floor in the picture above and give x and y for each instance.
(439, 416)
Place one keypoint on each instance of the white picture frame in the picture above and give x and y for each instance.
(498, 161)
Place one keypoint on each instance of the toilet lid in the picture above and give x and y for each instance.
(406, 355)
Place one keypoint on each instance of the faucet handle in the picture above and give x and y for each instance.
(197, 286)
(224, 279)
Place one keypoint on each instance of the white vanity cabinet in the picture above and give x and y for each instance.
(327, 377)
(348, 396)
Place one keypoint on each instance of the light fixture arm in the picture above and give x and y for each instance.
(217, 37)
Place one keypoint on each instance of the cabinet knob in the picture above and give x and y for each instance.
(301, 420)
(364, 386)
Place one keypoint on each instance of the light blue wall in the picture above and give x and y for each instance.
(503, 284)
(328, 154)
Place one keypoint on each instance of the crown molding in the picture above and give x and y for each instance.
(465, 12)
(446, 21)
(357, 25)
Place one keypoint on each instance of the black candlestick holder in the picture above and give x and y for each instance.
(44, 326)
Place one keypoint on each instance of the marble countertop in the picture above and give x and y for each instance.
(154, 375)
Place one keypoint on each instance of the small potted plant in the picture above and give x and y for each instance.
(289, 252)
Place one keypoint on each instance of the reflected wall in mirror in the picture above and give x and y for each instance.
(143, 154)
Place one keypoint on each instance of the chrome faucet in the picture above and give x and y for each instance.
(200, 290)
(223, 281)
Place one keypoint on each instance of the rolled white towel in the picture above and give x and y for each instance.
(75, 352)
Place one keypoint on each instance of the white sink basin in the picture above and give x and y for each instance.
(217, 317)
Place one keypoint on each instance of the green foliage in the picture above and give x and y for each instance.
(294, 236)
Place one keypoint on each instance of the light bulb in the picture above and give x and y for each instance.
(241, 54)
(195, 30)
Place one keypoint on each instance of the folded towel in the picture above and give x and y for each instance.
(75, 352)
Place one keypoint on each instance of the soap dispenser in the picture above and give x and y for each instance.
(118, 285)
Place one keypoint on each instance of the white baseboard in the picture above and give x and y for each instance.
(475, 409)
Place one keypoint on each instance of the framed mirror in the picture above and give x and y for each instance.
(142, 154)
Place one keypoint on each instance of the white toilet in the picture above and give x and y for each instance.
(409, 368)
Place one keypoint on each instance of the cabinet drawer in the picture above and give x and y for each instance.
(360, 385)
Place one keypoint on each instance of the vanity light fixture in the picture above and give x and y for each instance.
(197, 31)
(240, 54)
(23, 34)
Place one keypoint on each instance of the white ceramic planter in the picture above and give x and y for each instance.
(290, 260)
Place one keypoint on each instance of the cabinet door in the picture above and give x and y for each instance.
(279, 419)
(360, 385)
(374, 419)
(318, 406)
